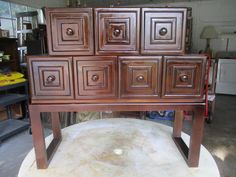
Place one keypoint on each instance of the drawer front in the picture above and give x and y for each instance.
(118, 30)
(163, 30)
(70, 31)
(51, 78)
(95, 77)
(140, 76)
(183, 77)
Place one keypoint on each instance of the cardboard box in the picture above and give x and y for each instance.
(16, 112)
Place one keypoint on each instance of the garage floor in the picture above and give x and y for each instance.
(219, 139)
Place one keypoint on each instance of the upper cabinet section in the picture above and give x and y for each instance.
(163, 30)
(117, 30)
(70, 31)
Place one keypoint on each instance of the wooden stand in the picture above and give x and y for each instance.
(43, 154)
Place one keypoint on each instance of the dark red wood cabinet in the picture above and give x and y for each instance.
(70, 31)
(118, 59)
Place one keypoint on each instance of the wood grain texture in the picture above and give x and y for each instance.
(118, 30)
(51, 77)
(70, 31)
(163, 30)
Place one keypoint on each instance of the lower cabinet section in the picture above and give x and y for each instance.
(112, 78)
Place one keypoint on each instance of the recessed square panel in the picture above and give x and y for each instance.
(158, 27)
(70, 31)
(117, 30)
(163, 30)
(55, 74)
(183, 77)
(51, 78)
(95, 77)
(140, 76)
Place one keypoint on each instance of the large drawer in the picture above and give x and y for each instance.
(140, 76)
(51, 77)
(117, 30)
(95, 77)
(163, 30)
(70, 31)
(183, 76)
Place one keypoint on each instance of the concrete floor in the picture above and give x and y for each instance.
(219, 139)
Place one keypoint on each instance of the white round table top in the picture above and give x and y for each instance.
(119, 148)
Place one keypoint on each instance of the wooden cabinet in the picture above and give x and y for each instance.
(140, 76)
(117, 30)
(163, 30)
(70, 31)
(127, 59)
(183, 76)
(95, 77)
(51, 78)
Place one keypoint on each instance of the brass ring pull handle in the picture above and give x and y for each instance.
(163, 31)
(51, 78)
(140, 78)
(95, 78)
(184, 78)
(116, 32)
(69, 31)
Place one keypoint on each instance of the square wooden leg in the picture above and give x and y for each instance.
(42, 154)
(191, 153)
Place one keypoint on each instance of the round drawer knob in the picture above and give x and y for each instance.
(51, 78)
(163, 31)
(140, 78)
(95, 78)
(117, 32)
(69, 31)
(184, 78)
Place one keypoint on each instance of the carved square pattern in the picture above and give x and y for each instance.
(140, 76)
(118, 30)
(49, 74)
(95, 78)
(183, 77)
(51, 78)
(163, 30)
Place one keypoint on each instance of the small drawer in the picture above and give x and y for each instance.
(95, 77)
(140, 76)
(51, 77)
(163, 30)
(70, 31)
(184, 76)
(117, 30)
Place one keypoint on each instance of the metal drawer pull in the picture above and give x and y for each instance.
(51, 78)
(69, 31)
(116, 32)
(140, 78)
(184, 78)
(95, 78)
(163, 31)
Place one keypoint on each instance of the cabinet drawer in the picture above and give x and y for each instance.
(184, 76)
(70, 31)
(163, 30)
(95, 77)
(51, 77)
(118, 30)
(140, 76)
